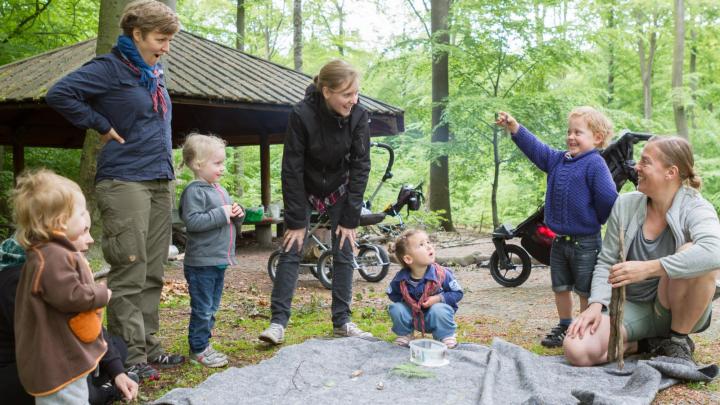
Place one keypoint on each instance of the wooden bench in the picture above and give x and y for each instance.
(263, 230)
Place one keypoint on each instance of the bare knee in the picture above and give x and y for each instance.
(577, 352)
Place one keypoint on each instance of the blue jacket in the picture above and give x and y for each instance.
(105, 93)
(580, 190)
(451, 292)
(210, 232)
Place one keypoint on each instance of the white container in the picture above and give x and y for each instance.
(274, 210)
(428, 353)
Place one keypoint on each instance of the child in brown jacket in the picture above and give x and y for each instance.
(57, 308)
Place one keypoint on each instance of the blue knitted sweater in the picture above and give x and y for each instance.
(580, 190)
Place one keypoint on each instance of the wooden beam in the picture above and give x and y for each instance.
(18, 152)
(265, 171)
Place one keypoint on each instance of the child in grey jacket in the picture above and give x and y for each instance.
(208, 213)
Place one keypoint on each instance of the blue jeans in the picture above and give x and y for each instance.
(439, 320)
(205, 284)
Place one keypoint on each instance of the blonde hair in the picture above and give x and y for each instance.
(335, 74)
(198, 147)
(149, 16)
(43, 202)
(676, 151)
(597, 122)
(400, 246)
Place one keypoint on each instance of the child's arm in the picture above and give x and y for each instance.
(602, 187)
(539, 153)
(197, 217)
(393, 291)
(452, 291)
(58, 283)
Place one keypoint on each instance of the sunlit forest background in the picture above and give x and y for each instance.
(534, 58)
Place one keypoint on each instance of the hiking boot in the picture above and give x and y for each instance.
(678, 347)
(143, 371)
(210, 358)
(350, 329)
(167, 360)
(274, 334)
(555, 337)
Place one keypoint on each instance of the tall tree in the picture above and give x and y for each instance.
(240, 26)
(677, 70)
(439, 190)
(297, 34)
(648, 25)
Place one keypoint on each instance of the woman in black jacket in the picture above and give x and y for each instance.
(326, 163)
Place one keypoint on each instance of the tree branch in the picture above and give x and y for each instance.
(422, 21)
(39, 9)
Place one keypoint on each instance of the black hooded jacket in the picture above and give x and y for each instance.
(322, 151)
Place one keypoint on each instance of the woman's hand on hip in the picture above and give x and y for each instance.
(626, 273)
(111, 135)
(346, 233)
(588, 321)
(293, 236)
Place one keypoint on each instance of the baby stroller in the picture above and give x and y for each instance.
(510, 265)
(372, 260)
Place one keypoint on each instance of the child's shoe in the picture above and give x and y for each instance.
(274, 334)
(450, 342)
(404, 341)
(555, 337)
(210, 358)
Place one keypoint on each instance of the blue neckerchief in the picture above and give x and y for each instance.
(149, 75)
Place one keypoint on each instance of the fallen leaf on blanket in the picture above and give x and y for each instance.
(329, 383)
(380, 386)
(356, 374)
(411, 370)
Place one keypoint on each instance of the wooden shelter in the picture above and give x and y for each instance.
(214, 88)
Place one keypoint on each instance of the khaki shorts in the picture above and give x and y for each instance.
(650, 319)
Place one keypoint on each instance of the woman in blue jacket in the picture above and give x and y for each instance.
(122, 96)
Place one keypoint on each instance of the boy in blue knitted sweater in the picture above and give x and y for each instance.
(580, 194)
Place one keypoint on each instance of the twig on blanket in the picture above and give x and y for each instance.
(617, 303)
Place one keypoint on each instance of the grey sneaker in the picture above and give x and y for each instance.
(350, 329)
(210, 358)
(274, 334)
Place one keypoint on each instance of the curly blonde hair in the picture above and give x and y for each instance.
(43, 202)
(400, 246)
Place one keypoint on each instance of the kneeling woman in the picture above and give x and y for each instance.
(672, 245)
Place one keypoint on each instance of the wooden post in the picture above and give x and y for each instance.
(18, 152)
(263, 233)
(617, 302)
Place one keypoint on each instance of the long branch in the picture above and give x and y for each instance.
(31, 18)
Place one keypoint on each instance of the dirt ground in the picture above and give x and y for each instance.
(521, 315)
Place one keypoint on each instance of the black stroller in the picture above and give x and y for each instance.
(372, 260)
(510, 265)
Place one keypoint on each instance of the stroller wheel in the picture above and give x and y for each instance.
(272, 264)
(325, 269)
(514, 271)
(373, 262)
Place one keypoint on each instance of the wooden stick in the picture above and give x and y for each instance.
(617, 302)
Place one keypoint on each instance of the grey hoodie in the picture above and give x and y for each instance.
(211, 234)
(691, 218)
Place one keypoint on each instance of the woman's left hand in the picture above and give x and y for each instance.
(346, 234)
(633, 271)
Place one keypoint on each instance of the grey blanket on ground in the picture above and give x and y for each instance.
(326, 372)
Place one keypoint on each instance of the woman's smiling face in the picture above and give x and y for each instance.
(342, 100)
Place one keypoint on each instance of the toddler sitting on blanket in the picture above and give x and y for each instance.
(424, 294)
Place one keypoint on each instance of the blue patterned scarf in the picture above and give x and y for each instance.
(149, 75)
